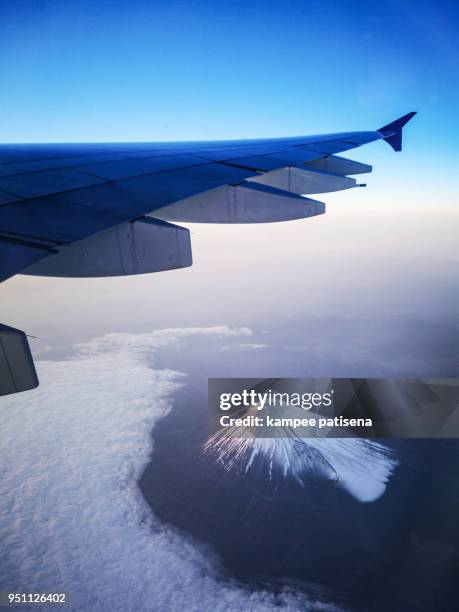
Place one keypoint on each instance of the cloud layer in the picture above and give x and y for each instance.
(73, 518)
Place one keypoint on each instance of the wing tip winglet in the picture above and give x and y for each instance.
(392, 132)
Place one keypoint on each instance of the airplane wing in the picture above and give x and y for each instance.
(106, 209)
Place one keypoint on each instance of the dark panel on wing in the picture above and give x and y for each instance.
(273, 161)
(258, 163)
(7, 198)
(294, 157)
(327, 148)
(126, 168)
(17, 254)
(53, 218)
(71, 162)
(24, 153)
(229, 153)
(36, 184)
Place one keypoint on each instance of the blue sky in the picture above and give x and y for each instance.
(137, 70)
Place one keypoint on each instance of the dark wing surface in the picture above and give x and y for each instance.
(104, 209)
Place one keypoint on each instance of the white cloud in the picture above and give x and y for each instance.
(252, 346)
(244, 346)
(73, 518)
